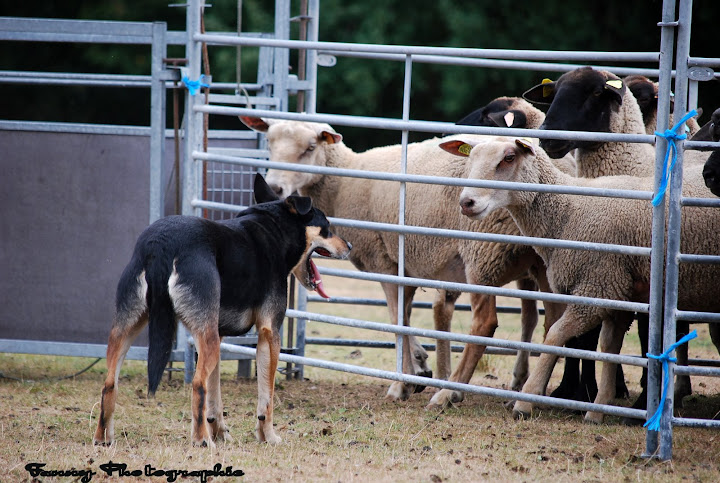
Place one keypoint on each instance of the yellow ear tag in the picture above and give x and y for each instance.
(547, 90)
(616, 83)
(525, 142)
(464, 149)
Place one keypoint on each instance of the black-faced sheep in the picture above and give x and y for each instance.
(586, 99)
(425, 257)
(512, 112)
(711, 171)
(587, 273)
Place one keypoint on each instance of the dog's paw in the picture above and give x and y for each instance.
(204, 443)
(98, 442)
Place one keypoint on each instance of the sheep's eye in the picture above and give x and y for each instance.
(597, 92)
(509, 158)
(310, 148)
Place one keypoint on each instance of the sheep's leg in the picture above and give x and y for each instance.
(443, 308)
(528, 322)
(414, 356)
(641, 401)
(575, 321)
(484, 323)
(683, 386)
(574, 385)
(715, 335)
(611, 339)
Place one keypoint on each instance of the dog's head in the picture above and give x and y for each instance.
(318, 237)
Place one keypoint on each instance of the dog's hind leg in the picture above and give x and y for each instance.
(215, 408)
(207, 343)
(130, 318)
(268, 351)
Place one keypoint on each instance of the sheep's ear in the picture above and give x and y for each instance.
(330, 137)
(262, 191)
(512, 118)
(526, 145)
(457, 147)
(299, 204)
(543, 93)
(255, 123)
(617, 88)
(705, 133)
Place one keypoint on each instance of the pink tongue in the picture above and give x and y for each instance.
(318, 281)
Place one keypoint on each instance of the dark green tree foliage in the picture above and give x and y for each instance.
(354, 86)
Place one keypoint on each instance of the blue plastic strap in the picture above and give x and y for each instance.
(653, 424)
(671, 135)
(194, 86)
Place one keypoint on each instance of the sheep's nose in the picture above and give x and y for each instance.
(277, 189)
(466, 203)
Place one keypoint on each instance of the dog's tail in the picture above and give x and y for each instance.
(162, 325)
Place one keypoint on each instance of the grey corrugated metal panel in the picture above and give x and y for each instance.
(468, 339)
(455, 386)
(541, 55)
(425, 126)
(414, 178)
(492, 63)
(483, 289)
(697, 316)
(696, 423)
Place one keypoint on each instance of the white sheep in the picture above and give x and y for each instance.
(586, 99)
(587, 273)
(425, 256)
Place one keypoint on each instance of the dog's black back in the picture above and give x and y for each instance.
(186, 261)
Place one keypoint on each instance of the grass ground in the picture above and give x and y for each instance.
(336, 426)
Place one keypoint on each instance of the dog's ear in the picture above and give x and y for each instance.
(299, 204)
(263, 193)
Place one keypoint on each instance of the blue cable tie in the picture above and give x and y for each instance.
(653, 424)
(671, 135)
(194, 86)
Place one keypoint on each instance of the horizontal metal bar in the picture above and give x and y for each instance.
(697, 371)
(704, 202)
(60, 30)
(424, 126)
(378, 344)
(79, 128)
(72, 349)
(696, 423)
(491, 63)
(456, 386)
(468, 339)
(701, 259)
(703, 62)
(541, 55)
(697, 316)
(415, 304)
(425, 179)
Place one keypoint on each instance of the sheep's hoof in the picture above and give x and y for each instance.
(444, 399)
(594, 417)
(398, 392)
(509, 404)
(520, 415)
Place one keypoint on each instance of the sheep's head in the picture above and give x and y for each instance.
(580, 100)
(294, 142)
(501, 159)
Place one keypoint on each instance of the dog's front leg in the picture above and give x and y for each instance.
(268, 351)
(208, 348)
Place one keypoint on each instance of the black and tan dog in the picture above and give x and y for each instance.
(219, 279)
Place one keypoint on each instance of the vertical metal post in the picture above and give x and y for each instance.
(300, 335)
(282, 55)
(313, 26)
(674, 223)
(401, 210)
(192, 174)
(657, 259)
(157, 122)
